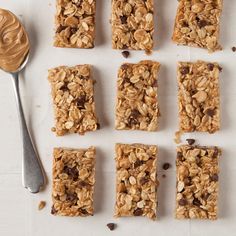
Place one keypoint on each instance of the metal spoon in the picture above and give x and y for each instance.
(32, 171)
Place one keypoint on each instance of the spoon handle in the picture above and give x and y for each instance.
(32, 172)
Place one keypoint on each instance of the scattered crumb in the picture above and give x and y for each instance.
(111, 226)
(148, 52)
(234, 49)
(125, 54)
(190, 141)
(53, 129)
(220, 68)
(163, 176)
(166, 166)
(41, 205)
(178, 137)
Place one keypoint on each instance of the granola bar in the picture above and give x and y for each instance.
(132, 24)
(73, 181)
(137, 106)
(198, 96)
(197, 24)
(197, 182)
(136, 180)
(73, 98)
(75, 23)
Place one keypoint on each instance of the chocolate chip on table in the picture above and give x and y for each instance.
(234, 49)
(210, 112)
(214, 177)
(220, 68)
(123, 19)
(196, 202)
(210, 66)
(111, 226)
(190, 141)
(182, 202)
(163, 176)
(125, 54)
(166, 166)
(184, 70)
(138, 212)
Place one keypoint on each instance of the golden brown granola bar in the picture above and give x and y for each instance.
(75, 23)
(198, 96)
(136, 180)
(136, 105)
(73, 181)
(73, 99)
(132, 24)
(197, 182)
(197, 24)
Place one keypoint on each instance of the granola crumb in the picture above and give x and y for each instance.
(148, 52)
(53, 129)
(177, 138)
(41, 205)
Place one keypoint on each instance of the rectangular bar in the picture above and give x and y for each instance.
(136, 180)
(132, 24)
(198, 96)
(136, 104)
(73, 181)
(197, 24)
(73, 99)
(75, 23)
(197, 182)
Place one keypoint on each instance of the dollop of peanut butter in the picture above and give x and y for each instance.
(14, 42)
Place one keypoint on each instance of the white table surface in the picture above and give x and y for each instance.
(18, 208)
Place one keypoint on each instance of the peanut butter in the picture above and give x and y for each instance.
(14, 42)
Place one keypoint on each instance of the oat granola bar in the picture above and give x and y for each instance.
(73, 181)
(73, 99)
(197, 182)
(136, 180)
(197, 24)
(136, 105)
(132, 24)
(75, 23)
(198, 96)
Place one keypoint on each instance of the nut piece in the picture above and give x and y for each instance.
(197, 24)
(73, 99)
(73, 181)
(197, 182)
(75, 23)
(198, 96)
(136, 180)
(41, 205)
(136, 105)
(132, 24)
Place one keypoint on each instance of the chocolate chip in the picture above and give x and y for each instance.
(72, 172)
(198, 160)
(138, 163)
(138, 212)
(64, 87)
(143, 180)
(190, 141)
(220, 68)
(188, 181)
(73, 30)
(81, 102)
(210, 66)
(134, 113)
(214, 177)
(182, 202)
(185, 24)
(123, 19)
(125, 54)
(154, 84)
(216, 153)
(124, 66)
(98, 126)
(202, 23)
(166, 166)
(71, 197)
(205, 196)
(210, 112)
(132, 121)
(111, 226)
(83, 211)
(53, 210)
(234, 49)
(83, 77)
(184, 70)
(60, 28)
(82, 184)
(196, 202)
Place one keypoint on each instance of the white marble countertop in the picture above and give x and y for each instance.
(18, 208)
